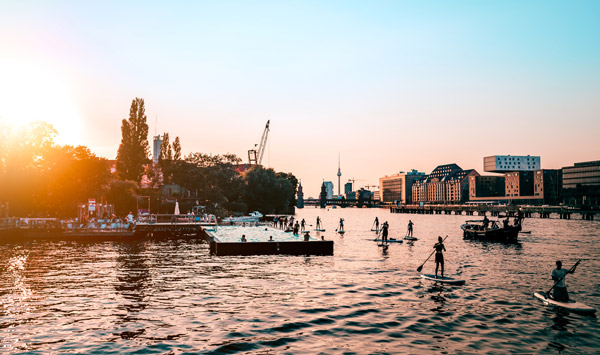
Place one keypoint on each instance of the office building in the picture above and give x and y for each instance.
(156, 143)
(328, 189)
(581, 183)
(486, 186)
(547, 185)
(508, 163)
(398, 187)
(347, 188)
(519, 183)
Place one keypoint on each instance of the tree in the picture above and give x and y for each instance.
(165, 149)
(266, 192)
(176, 149)
(294, 181)
(134, 148)
(122, 194)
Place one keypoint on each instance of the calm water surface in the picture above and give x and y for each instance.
(158, 297)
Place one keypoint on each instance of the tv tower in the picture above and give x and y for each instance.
(339, 175)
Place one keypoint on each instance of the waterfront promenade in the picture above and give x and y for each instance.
(561, 212)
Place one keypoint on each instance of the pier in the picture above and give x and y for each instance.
(342, 202)
(556, 212)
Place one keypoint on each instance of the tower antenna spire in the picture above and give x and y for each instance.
(339, 175)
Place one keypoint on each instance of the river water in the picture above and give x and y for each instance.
(155, 297)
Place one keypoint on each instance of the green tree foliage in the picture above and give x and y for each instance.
(267, 192)
(176, 149)
(165, 148)
(134, 148)
(122, 194)
(49, 180)
(294, 181)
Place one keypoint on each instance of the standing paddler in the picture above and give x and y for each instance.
(560, 293)
(439, 255)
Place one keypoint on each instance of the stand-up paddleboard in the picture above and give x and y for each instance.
(341, 232)
(319, 230)
(411, 238)
(571, 305)
(374, 230)
(447, 280)
(390, 240)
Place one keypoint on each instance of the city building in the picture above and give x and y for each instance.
(328, 189)
(508, 163)
(446, 184)
(398, 187)
(376, 196)
(519, 183)
(157, 142)
(347, 188)
(486, 186)
(547, 185)
(581, 183)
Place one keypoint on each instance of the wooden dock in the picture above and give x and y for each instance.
(558, 212)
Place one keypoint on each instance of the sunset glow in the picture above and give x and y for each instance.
(32, 93)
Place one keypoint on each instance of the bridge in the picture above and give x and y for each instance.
(562, 212)
(343, 202)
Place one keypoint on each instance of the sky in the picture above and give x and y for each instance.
(388, 85)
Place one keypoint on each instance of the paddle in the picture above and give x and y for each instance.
(377, 235)
(421, 267)
(556, 283)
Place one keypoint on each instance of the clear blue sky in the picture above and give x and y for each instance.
(390, 85)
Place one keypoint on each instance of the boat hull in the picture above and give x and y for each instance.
(506, 235)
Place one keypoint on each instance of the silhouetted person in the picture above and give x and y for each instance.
(384, 232)
(439, 255)
(410, 228)
(560, 293)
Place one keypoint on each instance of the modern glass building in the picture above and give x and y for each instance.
(581, 184)
(508, 163)
(582, 174)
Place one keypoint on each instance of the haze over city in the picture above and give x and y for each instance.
(389, 85)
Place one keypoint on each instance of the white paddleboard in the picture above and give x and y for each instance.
(389, 240)
(447, 280)
(411, 238)
(571, 305)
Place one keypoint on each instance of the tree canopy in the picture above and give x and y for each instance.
(134, 148)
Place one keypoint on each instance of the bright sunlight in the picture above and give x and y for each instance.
(30, 93)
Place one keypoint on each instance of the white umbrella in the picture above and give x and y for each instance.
(176, 207)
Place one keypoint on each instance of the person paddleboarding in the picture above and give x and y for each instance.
(560, 293)
(439, 255)
(384, 232)
(376, 224)
(409, 233)
(341, 228)
(318, 225)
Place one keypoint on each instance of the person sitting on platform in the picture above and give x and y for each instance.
(306, 236)
(244, 238)
(271, 238)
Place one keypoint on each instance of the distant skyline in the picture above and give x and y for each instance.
(389, 85)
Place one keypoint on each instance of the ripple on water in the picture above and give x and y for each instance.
(171, 297)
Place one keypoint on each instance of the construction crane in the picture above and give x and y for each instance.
(255, 155)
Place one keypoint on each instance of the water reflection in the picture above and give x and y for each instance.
(133, 279)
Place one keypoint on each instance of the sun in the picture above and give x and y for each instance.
(29, 93)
